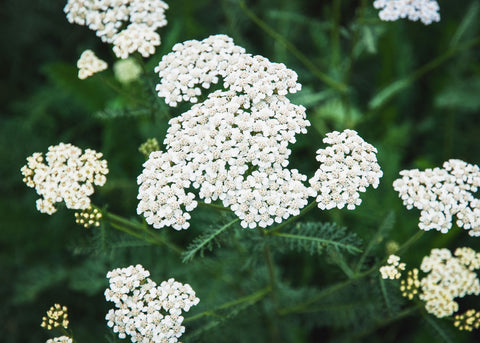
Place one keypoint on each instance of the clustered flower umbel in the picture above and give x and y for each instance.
(89, 64)
(448, 277)
(61, 339)
(393, 268)
(442, 193)
(424, 10)
(349, 166)
(57, 316)
(129, 24)
(233, 147)
(64, 174)
(144, 311)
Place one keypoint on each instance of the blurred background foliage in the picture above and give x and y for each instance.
(413, 91)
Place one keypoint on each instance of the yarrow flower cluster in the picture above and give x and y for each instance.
(144, 311)
(61, 339)
(349, 166)
(424, 10)
(57, 316)
(88, 217)
(89, 64)
(129, 24)
(445, 277)
(442, 193)
(64, 174)
(244, 132)
(393, 268)
(448, 277)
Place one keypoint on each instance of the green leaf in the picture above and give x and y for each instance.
(389, 92)
(206, 241)
(315, 237)
(468, 24)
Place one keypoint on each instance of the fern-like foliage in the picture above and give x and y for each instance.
(315, 237)
(209, 239)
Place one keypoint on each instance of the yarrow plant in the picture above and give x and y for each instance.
(89, 64)
(61, 339)
(442, 193)
(130, 25)
(244, 133)
(447, 277)
(144, 311)
(424, 10)
(65, 174)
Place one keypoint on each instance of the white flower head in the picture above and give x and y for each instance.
(144, 311)
(109, 17)
(442, 193)
(233, 147)
(61, 339)
(89, 64)
(448, 277)
(424, 10)
(393, 269)
(64, 174)
(348, 166)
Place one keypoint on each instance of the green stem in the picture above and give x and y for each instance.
(136, 230)
(335, 33)
(336, 287)
(308, 64)
(252, 298)
(388, 92)
(304, 211)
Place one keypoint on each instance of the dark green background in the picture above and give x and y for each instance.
(48, 259)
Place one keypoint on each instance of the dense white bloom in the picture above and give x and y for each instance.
(144, 311)
(194, 64)
(126, 70)
(424, 10)
(233, 147)
(441, 193)
(109, 18)
(89, 64)
(349, 166)
(65, 174)
(448, 277)
(61, 339)
(393, 268)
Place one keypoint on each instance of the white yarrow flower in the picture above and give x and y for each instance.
(64, 174)
(108, 18)
(61, 339)
(144, 311)
(442, 193)
(348, 166)
(89, 64)
(424, 10)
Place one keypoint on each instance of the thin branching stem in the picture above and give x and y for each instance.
(137, 230)
(304, 211)
(297, 53)
(251, 298)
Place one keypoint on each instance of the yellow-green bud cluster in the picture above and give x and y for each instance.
(56, 316)
(89, 217)
(149, 146)
(409, 286)
(467, 321)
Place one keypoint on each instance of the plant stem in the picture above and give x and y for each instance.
(304, 211)
(136, 230)
(252, 298)
(215, 206)
(304, 59)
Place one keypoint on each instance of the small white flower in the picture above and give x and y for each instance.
(89, 64)
(68, 175)
(61, 339)
(108, 18)
(424, 10)
(348, 166)
(144, 311)
(442, 193)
